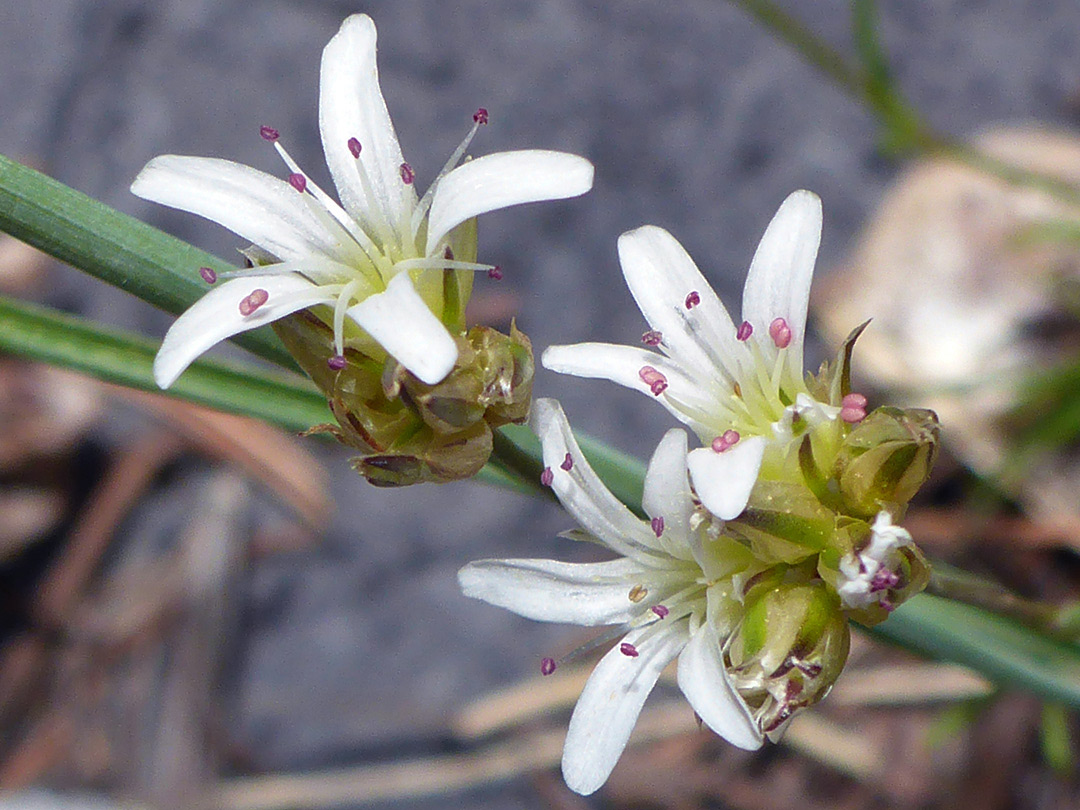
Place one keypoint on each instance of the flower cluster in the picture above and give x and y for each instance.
(756, 548)
(382, 279)
(760, 545)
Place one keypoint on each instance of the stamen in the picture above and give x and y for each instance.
(629, 650)
(268, 133)
(547, 666)
(337, 362)
(253, 301)
(853, 400)
(568, 463)
(780, 333)
(660, 610)
(853, 408)
(298, 181)
(637, 593)
(208, 274)
(884, 580)
(495, 273)
(652, 338)
(722, 443)
(407, 174)
(332, 216)
(745, 331)
(887, 604)
(379, 222)
(658, 525)
(455, 157)
(656, 381)
(480, 116)
(693, 299)
(547, 477)
(354, 147)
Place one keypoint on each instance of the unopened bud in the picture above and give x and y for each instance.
(886, 458)
(788, 650)
(408, 431)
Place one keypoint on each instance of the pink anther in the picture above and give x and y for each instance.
(656, 381)
(853, 408)
(480, 116)
(652, 338)
(495, 273)
(298, 181)
(725, 442)
(252, 302)
(629, 650)
(407, 174)
(745, 331)
(780, 333)
(355, 148)
(547, 477)
(693, 299)
(208, 274)
(658, 525)
(547, 666)
(567, 463)
(337, 362)
(660, 611)
(268, 133)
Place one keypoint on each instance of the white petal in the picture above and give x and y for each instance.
(549, 591)
(351, 105)
(686, 398)
(723, 480)
(501, 180)
(778, 284)
(610, 704)
(705, 682)
(403, 325)
(216, 316)
(667, 493)
(584, 495)
(266, 211)
(660, 275)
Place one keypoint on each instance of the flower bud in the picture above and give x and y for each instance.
(789, 648)
(408, 431)
(885, 459)
(877, 572)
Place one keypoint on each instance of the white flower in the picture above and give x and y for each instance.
(867, 576)
(365, 258)
(740, 388)
(671, 589)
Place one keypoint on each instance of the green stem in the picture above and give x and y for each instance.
(279, 398)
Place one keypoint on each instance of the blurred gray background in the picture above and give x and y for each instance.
(356, 650)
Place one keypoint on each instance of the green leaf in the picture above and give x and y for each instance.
(113, 247)
(280, 398)
(1005, 651)
(39, 333)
